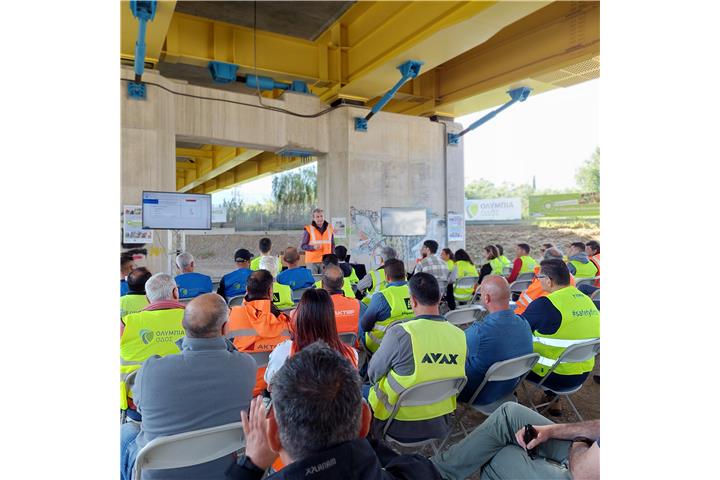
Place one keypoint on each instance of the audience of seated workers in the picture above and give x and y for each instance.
(313, 320)
(135, 300)
(464, 267)
(578, 262)
(295, 276)
(332, 259)
(347, 269)
(265, 245)
(564, 317)
(256, 325)
(318, 387)
(375, 281)
(501, 335)
(127, 265)
(422, 349)
(523, 263)
(204, 386)
(390, 305)
(282, 294)
(347, 309)
(447, 256)
(233, 284)
(503, 259)
(535, 289)
(152, 331)
(190, 283)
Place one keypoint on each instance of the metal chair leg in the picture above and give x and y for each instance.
(572, 405)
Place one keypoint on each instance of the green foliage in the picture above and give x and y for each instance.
(588, 175)
(296, 187)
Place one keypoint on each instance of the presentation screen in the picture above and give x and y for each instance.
(403, 222)
(176, 211)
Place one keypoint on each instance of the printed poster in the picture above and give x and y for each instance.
(339, 226)
(132, 226)
(456, 227)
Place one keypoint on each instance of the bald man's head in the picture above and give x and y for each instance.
(495, 293)
(332, 280)
(205, 316)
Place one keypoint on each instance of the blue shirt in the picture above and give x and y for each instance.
(542, 316)
(500, 336)
(192, 284)
(296, 278)
(233, 283)
(378, 310)
(123, 287)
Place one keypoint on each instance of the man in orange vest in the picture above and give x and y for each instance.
(592, 248)
(535, 290)
(318, 240)
(347, 310)
(256, 325)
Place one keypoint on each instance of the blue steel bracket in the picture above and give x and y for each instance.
(222, 72)
(408, 70)
(137, 90)
(143, 10)
(453, 139)
(299, 86)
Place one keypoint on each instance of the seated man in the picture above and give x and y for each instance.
(523, 263)
(375, 281)
(265, 245)
(153, 331)
(564, 317)
(233, 284)
(319, 387)
(592, 248)
(420, 350)
(295, 276)
(347, 309)
(578, 262)
(347, 269)
(256, 325)
(135, 300)
(390, 305)
(332, 259)
(431, 263)
(282, 294)
(127, 265)
(501, 335)
(503, 259)
(535, 289)
(204, 386)
(190, 283)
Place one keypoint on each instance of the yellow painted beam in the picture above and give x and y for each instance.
(193, 153)
(206, 170)
(155, 32)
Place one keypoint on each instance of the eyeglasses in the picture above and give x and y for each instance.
(539, 276)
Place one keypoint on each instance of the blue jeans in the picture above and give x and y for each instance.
(128, 449)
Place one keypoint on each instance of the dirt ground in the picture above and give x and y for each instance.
(214, 256)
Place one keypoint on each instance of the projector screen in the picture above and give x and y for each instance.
(403, 222)
(176, 211)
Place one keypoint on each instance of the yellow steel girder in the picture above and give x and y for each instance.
(154, 33)
(208, 163)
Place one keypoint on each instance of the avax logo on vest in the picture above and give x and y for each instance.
(441, 358)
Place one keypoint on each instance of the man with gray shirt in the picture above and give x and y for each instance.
(203, 386)
(421, 349)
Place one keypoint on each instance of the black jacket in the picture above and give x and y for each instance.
(359, 459)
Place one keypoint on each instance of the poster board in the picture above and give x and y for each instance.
(455, 227)
(132, 226)
(567, 205)
(339, 225)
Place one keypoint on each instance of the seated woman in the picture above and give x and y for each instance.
(464, 268)
(314, 319)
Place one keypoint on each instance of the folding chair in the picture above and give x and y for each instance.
(297, 294)
(189, 448)
(129, 382)
(585, 281)
(425, 393)
(507, 270)
(261, 358)
(517, 287)
(349, 338)
(529, 276)
(517, 368)
(466, 283)
(236, 301)
(572, 354)
(464, 316)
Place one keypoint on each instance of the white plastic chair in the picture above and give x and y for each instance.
(585, 281)
(519, 286)
(513, 368)
(466, 283)
(236, 301)
(463, 316)
(189, 448)
(425, 393)
(579, 352)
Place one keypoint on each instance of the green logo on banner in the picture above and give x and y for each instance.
(473, 209)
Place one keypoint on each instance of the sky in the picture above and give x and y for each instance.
(549, 135)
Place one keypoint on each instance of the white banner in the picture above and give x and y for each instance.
(493, 209)
(219, 214)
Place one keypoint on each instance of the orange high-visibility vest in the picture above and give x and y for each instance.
(256, 329)
(347, 313)
(321, 241)
(595, 259)
(532, 292)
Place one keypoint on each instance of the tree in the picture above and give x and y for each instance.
(588, 175)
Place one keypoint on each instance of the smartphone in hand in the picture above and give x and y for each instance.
(530, 434)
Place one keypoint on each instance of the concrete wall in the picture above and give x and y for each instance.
(399, 162)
